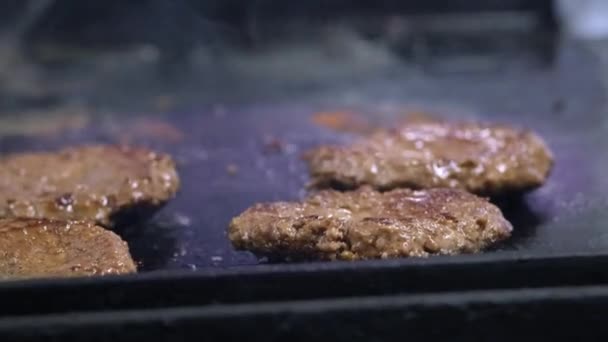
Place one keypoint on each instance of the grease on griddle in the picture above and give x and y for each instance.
(342, 121)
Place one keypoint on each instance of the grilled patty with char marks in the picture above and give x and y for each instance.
(481, 158)
(367, 224)
(97, 183)
(32, 248)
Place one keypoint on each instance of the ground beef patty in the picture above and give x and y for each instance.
(46, 248)
(481, 158)
(367, 224)
(99, 183)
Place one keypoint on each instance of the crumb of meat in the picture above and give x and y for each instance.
(232, 169)
(273, 145)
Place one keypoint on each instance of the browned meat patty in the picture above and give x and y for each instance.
(45, 248)
(99, 183)
(367, 224)
(481, 158)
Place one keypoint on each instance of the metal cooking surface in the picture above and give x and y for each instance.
(228, 158)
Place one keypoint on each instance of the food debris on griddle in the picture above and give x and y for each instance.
(33, 248)
(273, 145)
(481, 158)
(232, 169)
(98, 183)
(367, 224)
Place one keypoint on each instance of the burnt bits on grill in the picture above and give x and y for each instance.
(105, 184)
(45, 248)
(367, 224)
(482, 158)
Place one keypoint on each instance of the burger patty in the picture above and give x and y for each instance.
(97, 183)
(481, 158)
(367, 224)
(45, 248)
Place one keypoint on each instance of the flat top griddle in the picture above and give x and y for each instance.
(237, 122)
(223, 135)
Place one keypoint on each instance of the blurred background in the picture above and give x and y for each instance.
(69, 52)
(58, 52)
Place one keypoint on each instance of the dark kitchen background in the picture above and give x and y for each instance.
(208, 51)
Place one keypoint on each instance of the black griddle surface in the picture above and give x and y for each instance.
(225, 164)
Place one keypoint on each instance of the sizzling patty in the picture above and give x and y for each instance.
(367, 224)
(46, 248)
(481, 158)
(100, 183)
